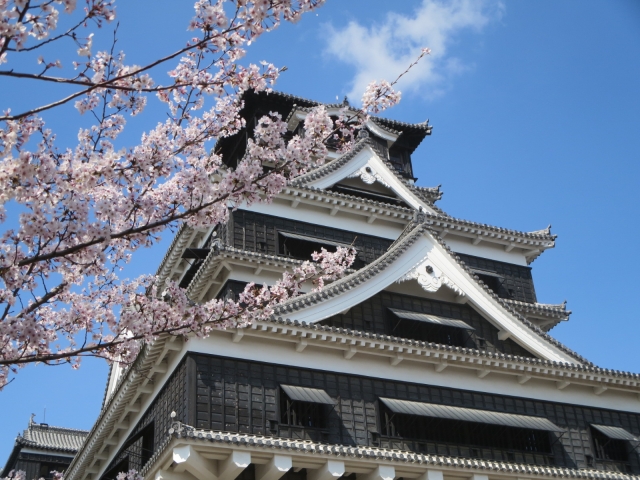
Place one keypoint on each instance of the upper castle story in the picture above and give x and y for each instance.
(365, 198)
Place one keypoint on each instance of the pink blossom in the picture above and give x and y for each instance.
(88, 208)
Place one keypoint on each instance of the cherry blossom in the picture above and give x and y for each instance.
(87, 208)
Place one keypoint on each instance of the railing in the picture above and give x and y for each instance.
(612, 466)
(466, 451)
(293, 432)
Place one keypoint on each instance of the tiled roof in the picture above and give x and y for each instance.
(396, 210)
(428, 195)
(221, 252)
(550, 310)
(385, 122)
(447, 221)
(464, 465)
(555, 313)
(473, 354)
(52, 438)
(409, 236)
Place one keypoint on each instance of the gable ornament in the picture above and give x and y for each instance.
(369, 176)
(430, 278)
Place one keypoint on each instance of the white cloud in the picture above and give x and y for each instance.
(384, 51)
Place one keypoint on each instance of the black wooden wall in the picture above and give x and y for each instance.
(373, 315)
(38, 466)
(517, 282)
(259, 233)
(242, 396)
(174, 397)
(223, 394)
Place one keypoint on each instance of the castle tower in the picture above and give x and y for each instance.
(431, 359)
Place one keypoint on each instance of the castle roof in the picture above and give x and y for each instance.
(47, 439)
(412, 233)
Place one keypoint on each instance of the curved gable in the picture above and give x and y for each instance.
(364, 162)
(419, 256)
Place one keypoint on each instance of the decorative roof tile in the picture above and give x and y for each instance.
(550, 310)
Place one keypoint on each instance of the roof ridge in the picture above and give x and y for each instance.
(332, 165)
(357, 277)
(538, 234)
(555, 306)
(329, 167)
(346, 196)
(422, 125)
(49, 428)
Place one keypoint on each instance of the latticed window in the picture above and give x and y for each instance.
(608, 448)
(442, 436)
(302, 414)
(429, 328)
(304, 407)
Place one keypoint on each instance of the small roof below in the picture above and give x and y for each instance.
(470, 415)
(615, 433)
(304, 394)
(423, 317)
(41, 435)
(306, 238)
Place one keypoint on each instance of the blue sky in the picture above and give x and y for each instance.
(536, 112)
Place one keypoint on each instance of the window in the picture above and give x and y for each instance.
(400, 158)
(496, 283)
(434, 429)
(137, 451)
(369, 195)
(302, 246)
(304, 407)
(607, 448)
(429, 328)
(121, 466)
(46, 469)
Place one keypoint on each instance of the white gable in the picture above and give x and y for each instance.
(426, 261)
(370, 168)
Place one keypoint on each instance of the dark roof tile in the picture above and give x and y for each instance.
(52, 438)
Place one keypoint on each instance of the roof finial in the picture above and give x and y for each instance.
(345, 102)
(31, 422)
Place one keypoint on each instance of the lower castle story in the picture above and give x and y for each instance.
(254, 399)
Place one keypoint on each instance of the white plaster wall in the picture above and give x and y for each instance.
(342, 220)
(486, 250)
(262, 350)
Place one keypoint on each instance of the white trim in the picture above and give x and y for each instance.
(351, 223)
(367, 157)
(487, 249)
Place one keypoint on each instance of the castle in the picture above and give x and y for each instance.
(430, 359)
